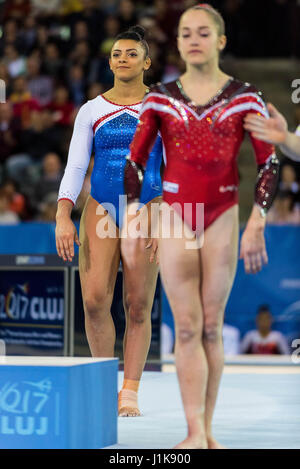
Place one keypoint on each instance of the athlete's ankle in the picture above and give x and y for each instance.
(131, 384)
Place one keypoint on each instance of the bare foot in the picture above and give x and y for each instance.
(128, 405)
(129, 412)
(192, 443)
(214, 444)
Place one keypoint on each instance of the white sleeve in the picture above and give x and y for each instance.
(246, 342)
(282, 344)
(298, 131)
(79, 155)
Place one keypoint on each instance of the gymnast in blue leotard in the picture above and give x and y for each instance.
(108, 128)
(107, 125)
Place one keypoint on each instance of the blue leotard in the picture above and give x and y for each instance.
(109, 129)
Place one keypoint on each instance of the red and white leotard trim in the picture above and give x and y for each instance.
(202, 145)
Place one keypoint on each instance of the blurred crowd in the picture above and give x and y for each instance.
(53, 57)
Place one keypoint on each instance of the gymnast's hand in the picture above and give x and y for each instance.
(65, 235)
(154, 252)
(253, 247)
(273, 130)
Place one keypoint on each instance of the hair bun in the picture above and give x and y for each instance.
(138, 30)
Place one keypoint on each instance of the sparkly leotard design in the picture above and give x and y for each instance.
(109, 128)
(201, 146)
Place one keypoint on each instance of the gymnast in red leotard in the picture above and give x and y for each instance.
(200, 117)
(201, 145)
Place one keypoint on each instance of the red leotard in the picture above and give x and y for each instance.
(201, 144)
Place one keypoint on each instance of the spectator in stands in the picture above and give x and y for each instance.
(48, 209)
(127, 15)
(16, 200)
(62, 107)
(23, 103)
(284, 210)
(53, 63)
(94, 16)
(42, 36)
(81, 55)
(10, 35)
(81, 32)
(173, 67)
(77, 84)
(42, 136)
(166, 18)
(17, 9)
(288, 179)
(264, 340)
(112, 28)
(7, 216)
(155, 33)
(51, 175)
(10, 132)
(100, 70)
(28, 34)
(15, 63)
(39, 85)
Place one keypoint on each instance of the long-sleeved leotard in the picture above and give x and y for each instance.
(201, 147)
(109, 127)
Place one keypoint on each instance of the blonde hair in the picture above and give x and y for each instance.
(214, 14)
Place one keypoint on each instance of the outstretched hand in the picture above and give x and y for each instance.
(272, 130)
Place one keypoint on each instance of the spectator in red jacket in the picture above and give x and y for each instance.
(62, 107)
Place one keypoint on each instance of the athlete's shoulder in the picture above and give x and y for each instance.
(238, 87)
(276, 335)
(165, 89)
(251, 335)
(96, 102)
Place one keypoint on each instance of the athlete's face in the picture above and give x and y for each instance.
(264, 322)
(198, 39)
(127, 59)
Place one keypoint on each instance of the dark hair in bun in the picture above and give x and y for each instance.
(136, 33)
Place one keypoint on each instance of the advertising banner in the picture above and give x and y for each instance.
(32, 310)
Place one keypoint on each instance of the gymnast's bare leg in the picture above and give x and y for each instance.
(197, 287)
(139, 283)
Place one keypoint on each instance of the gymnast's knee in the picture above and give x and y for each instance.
(96, 306)
(187, 332)
(138, 310)
(212, 332)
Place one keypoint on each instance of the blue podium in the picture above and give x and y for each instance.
(58, 402)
